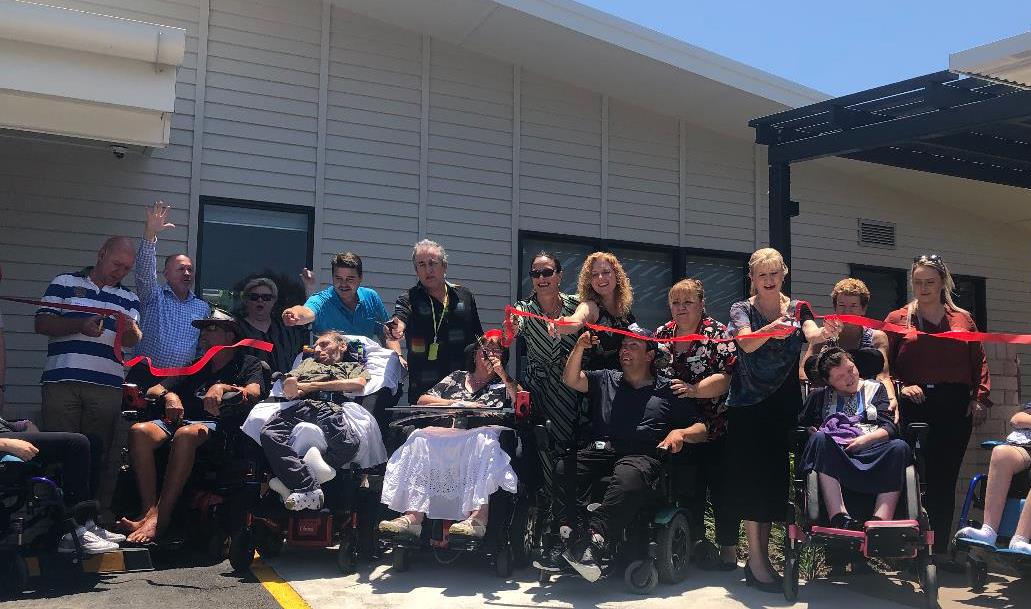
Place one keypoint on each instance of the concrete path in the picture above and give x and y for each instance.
(469, 584)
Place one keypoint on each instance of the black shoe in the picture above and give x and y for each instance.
(583, 556)
(551, 559)
(752, 581)
(842, 520)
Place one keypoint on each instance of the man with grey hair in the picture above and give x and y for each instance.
(259, 297)
(436, 318)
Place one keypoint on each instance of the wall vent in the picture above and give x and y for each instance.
(874, 233)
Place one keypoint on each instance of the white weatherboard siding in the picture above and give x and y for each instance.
(261, 101)
(58, 201)
(419, 129)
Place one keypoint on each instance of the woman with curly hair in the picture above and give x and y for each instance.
(605, 299)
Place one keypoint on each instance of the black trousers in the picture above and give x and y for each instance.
(633, 481)
(700, 474)
(377, 404)
(74, 453)
(949, 427)
(341, 442)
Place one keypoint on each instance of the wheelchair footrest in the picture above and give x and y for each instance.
(892, 538)
(123, 560)
(311, 529)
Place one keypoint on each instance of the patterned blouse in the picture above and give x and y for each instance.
(452, 387)
(700, 361)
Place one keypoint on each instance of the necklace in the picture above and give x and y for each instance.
(552, 313)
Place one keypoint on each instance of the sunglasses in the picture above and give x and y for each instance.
(538, 273)
(261, 297)
(931, 258)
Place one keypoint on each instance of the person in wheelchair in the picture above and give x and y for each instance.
(634, 414)
(1008, 461)
(192, 404)
(853, 440)
(78, 459)
(298, 479)
(449, 474)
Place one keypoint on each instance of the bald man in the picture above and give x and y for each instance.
(82, 377)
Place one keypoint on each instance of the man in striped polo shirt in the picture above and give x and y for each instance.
(82, 378)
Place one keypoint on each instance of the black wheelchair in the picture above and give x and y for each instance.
(655, 547)
(512, 521)
(909, 536)
(222, 486)
(998, 557)
(347, 519)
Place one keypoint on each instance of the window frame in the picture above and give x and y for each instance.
(206, 200)
(901, 276)
(980, 315)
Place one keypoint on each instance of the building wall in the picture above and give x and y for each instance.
(392, 136)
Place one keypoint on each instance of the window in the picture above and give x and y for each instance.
(887, 288)
(239, 239)
(725, 279)
(651, 274)
(970, 295)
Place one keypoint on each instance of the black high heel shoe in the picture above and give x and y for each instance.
(751, 580)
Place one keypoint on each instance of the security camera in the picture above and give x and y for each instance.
(118, 151)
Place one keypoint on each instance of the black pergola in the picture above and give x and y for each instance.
(938, 123)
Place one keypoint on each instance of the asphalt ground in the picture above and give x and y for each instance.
(181, 580)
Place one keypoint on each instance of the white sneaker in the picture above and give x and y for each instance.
(310, 500)
(90, 542)
(104, 534)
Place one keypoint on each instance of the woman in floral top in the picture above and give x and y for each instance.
(701, 371)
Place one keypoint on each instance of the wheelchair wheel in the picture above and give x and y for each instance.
(504, 562)
(928, 573)
(241, 551)
(400, 560)
(524, 535)
(791, 578)
(977, 574)
(347, 555)
(912, 494)
(673, 554)
(16, 576)
(641, 577)
(270, 544)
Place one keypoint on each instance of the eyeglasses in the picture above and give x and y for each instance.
(538, 273)
(261, 297)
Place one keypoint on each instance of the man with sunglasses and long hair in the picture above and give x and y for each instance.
(259, 297)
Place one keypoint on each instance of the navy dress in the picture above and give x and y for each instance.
(875, 469)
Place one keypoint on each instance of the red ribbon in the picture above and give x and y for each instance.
(857, 320)
(120, 324)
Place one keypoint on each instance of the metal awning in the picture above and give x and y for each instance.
(1007, 61)
(939, 123)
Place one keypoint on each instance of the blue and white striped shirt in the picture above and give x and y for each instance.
(81, 358)
(169, 338)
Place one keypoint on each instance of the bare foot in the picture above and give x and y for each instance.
(124, 525)
(146, 532)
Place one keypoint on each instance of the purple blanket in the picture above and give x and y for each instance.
(842, 428)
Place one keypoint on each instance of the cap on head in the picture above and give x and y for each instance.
(218, 317)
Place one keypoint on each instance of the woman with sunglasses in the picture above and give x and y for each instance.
(258, 321)
(552, 399)
(605, 299)
(945, 383)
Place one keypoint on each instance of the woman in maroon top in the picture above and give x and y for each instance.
(945, 383)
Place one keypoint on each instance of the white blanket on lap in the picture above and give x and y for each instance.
(371, 451)
(447, 473)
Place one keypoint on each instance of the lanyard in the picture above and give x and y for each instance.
(433, 311)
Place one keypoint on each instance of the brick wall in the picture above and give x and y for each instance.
(1004, 367)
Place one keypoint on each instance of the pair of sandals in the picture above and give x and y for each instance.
(470, 527)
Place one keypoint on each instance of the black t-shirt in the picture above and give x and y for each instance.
(459, 328)
(242, 370)
(636, 418)
(287, 342)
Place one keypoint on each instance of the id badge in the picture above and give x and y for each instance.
(431, 354)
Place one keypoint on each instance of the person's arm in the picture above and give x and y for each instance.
(146, 267)
(880, 342)
(675, 439)
(741, 328)
(308, 280)
(586, 313)
(474, 316)
(298, 315)
(352, 385)
(388, 342)
(22, 449)
(885, 420)
(395, 328)
(433, 396)
(712, 386)
(1021, 420)
(55, 326)
(132, 333)
(173, 403)
(573, 375)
